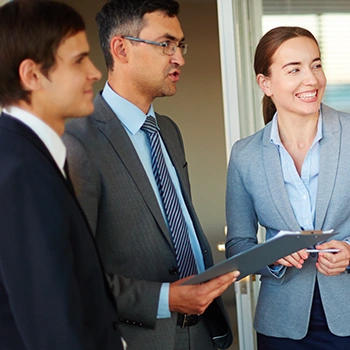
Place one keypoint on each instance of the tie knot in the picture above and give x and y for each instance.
(149, 125)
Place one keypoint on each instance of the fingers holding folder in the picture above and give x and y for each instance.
(296, 259)
(194, 299)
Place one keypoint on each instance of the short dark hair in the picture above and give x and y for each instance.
(264, 52)
(125, 17)
(31, 29)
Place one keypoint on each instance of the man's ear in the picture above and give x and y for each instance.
(29, 73)
(118, 49)
(264, 84)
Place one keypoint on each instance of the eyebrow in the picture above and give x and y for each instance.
(77, 56)
(172, 38)
(82, 54)
(297, 63)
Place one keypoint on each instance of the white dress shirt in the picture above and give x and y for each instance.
(47, 135)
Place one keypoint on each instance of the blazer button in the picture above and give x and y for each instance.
(173, 271)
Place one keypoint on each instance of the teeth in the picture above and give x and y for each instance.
(307, 95)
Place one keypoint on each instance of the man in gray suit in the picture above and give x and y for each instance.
(110, 160)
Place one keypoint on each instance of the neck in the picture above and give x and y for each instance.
(56, 124)
(299, 131)
(124, 88)
(297, 136)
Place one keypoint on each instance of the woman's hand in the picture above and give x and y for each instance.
(331, 264)
(296, 259)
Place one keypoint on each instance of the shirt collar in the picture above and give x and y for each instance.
(47, 135)
(275, 136)
(130, 115)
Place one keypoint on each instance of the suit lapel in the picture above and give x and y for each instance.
(15, 125)
(329, 145)
(173, 146)
(114, 131)
(274, 176)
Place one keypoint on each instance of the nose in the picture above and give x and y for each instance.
(94, 73)
(177, 58)
(310, 78)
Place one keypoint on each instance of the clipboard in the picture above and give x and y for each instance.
(255, 258)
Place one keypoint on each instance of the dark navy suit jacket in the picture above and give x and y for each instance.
(53, 292)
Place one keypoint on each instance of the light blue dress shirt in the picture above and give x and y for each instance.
(302, 190)
(132, 118)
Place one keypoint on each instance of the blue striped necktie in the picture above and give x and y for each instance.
(177, 224)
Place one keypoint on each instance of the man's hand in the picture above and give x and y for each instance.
(331, 264)
(194, 299)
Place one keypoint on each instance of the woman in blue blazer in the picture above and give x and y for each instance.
(294, 174)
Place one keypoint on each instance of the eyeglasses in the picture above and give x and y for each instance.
(169, 47)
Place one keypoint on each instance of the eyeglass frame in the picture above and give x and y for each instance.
(183, 47)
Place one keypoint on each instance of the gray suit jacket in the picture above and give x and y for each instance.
(256, 193)
(130, 231)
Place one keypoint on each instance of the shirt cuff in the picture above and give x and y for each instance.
(163, 303)
(347, 240)
(277, 270)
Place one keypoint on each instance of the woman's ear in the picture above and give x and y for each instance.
(264, 84)
(29, 73)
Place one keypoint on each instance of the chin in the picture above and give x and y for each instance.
(88, 110)
(310, 109)
(170, 92)
(83, 113)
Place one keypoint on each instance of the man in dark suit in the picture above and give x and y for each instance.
(110, 157)
(53, 293)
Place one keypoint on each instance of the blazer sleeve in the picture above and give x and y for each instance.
(36, 260)
(241, 218)
(142, 295)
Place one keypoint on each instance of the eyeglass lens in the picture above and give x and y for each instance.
(171, 48)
